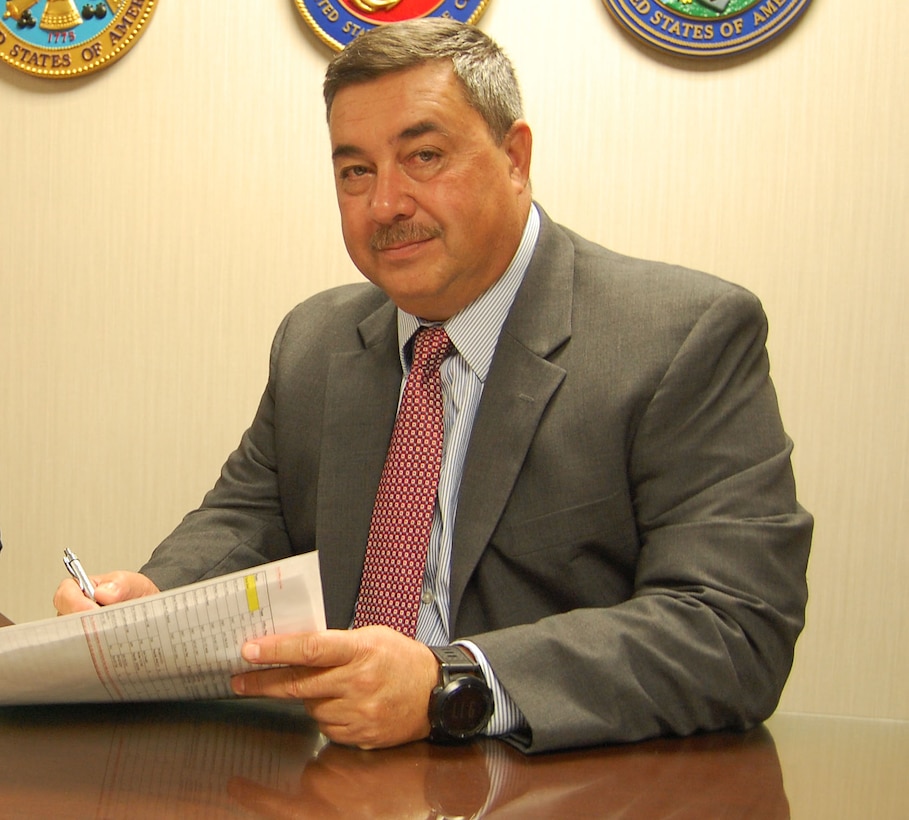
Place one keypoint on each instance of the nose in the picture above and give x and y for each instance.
(392, 197)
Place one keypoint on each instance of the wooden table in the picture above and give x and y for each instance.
(266, 759)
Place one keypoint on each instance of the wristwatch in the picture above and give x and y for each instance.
(461, 704)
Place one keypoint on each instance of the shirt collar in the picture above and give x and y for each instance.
(475, 330)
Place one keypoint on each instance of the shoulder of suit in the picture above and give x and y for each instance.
(602, 268)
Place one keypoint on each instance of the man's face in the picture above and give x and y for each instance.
(432, 210)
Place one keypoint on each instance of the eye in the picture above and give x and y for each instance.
(424, 163)
(353, 171)
(354, 178)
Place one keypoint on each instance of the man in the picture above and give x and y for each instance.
(615, 540)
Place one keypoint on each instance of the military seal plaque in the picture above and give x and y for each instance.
(337, 22)
(698, 28)
(60, 38)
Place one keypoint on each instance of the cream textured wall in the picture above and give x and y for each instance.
(160, 216)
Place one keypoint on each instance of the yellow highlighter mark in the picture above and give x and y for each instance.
(252, 594)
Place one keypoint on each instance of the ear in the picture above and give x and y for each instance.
(518, 146)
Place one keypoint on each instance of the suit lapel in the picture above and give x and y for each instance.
(520, 385)
(360, 405)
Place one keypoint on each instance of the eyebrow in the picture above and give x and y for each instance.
(424, 127)
(347, 150)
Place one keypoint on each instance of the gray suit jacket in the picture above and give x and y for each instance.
(628, 551)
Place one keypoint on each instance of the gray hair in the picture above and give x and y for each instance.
(486, 74)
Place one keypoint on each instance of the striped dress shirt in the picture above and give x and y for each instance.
(474, 332)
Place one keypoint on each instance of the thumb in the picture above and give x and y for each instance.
(115, 587)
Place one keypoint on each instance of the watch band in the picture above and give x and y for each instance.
(456, 659)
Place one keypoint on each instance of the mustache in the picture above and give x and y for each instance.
(399, 233)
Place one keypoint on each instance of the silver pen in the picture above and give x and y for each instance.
(74, 567)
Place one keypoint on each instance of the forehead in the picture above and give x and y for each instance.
(392, 103)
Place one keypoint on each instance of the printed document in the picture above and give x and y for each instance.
(181, 644)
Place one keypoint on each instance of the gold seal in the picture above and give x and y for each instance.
(58, 38)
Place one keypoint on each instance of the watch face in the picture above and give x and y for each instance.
(466, 710)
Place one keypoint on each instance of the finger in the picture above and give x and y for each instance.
(108, 592)
(70, 598)
(281, 682)
(113, 587)
(333, 647)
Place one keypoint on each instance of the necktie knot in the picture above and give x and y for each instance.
(430, 347)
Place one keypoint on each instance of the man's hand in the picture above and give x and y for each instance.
(365, 687)
(110, 588)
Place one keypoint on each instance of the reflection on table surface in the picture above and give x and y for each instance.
(266, 759)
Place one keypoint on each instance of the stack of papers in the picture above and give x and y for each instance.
(182, 644)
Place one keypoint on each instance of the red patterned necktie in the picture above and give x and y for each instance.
(402, 516)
